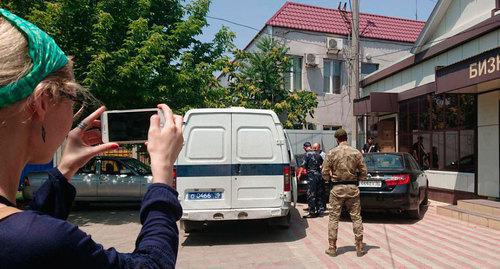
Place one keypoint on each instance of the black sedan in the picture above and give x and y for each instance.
(395, 182)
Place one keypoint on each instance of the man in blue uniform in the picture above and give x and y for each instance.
(312, 163)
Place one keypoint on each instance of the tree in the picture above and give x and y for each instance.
(135, 53)
(256, 80)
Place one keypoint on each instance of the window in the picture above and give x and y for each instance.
(384, 162)
(332, 76)
(293, 80)
(88, 168)
(413, 163)
(138, 166)
(368, 68)
(311, 126)
(438, 130)
(110, 167)
(331, 127)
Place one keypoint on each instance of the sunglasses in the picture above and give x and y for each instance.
(78, 103)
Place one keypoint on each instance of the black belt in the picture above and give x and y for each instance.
(346, 182)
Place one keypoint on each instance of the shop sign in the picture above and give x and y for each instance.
(469, 72)
(484, 67)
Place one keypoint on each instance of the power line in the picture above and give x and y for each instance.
(287, 32)
(235, 23)
(311, 43)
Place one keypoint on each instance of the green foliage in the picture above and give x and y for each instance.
(136, 53)
(256, 80)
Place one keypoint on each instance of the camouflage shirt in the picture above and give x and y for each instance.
(343, 163)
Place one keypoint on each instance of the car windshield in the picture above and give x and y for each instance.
(138, 166)
(384, 162)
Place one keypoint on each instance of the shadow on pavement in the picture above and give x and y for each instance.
(246, 232)
(345, 249)
(387, 217)
(109, 214)
(374, 216)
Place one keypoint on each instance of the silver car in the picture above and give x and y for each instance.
(104, 178)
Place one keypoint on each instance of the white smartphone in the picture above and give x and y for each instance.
(128, 126)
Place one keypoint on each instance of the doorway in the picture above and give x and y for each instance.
(387, 134)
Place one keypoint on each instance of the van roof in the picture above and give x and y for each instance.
(239, 110)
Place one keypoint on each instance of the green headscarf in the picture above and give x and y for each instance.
(46, 56)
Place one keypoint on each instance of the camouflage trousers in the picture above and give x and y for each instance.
(348, 195)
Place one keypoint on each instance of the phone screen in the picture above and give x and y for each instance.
(129, 126)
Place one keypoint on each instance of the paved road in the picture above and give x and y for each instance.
(392, 242)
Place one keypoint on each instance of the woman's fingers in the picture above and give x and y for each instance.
(95, 150)
(96, 124)
(88, 121)
(167, 113)
(92, 137)
(154, 124)
(178, 120)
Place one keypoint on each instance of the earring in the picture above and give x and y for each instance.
(43, 134)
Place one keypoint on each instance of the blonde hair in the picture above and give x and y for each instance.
(14, 59)
(15, 62)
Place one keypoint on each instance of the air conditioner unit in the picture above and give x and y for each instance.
(311, 60)
(334, 45)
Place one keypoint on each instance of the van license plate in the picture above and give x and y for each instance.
(204, 195)
(370, 184)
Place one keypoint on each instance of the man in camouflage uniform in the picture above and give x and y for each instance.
(341, 166)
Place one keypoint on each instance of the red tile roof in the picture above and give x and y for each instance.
(327, 20)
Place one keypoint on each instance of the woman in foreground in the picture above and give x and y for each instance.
(38, 97)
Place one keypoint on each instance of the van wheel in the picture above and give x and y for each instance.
(190, 226)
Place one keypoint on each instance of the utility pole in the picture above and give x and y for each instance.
(354, 91)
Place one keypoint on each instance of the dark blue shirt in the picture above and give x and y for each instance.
(312, 162)
(41, 238)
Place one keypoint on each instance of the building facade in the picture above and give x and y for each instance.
(318, 41)
(442, 103)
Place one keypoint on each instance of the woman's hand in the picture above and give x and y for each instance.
(80, 143)
(164, 144)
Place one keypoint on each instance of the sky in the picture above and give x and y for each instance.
(255, 13)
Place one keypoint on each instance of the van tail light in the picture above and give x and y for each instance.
(287, 178)
(398, 180)
(27, 181)
(174, 179)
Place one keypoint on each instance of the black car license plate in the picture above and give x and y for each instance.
(370, 184)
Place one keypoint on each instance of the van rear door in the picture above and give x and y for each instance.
(204, 164)
(257, 161)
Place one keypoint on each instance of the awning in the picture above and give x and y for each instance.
(473, 75)
(376, 102)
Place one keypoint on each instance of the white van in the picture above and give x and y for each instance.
(235, 165)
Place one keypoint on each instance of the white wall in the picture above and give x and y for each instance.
(334, 109)
(488, 143)
(423, 73)
(460, 15)
(451, 180)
